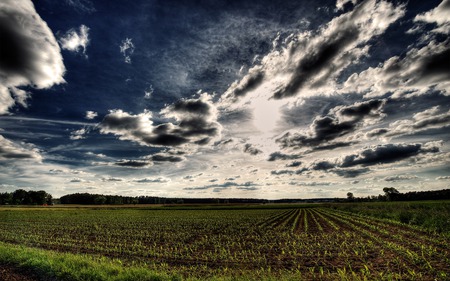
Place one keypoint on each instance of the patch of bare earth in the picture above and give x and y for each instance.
(12, 273)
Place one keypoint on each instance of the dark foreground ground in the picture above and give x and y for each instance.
(12, 273)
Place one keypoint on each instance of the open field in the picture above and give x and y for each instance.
(252, 243)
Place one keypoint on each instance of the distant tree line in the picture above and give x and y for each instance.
(97, 199)
(23, 197)
(392, 194)
(419, 195)
(100, 199)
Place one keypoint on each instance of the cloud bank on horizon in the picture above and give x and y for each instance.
(257, 99)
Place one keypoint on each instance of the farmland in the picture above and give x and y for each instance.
(277, 242)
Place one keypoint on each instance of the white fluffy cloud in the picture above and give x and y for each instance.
(439, 16)
(90, 115)
(340, 3)
(76, 41)
(127, 49)
(30, 55)
(78, 134)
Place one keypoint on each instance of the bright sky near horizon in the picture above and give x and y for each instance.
(263, 99)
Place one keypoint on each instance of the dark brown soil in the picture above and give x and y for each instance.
(12, 273)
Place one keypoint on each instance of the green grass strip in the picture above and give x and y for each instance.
(72, 267)
(56, 266)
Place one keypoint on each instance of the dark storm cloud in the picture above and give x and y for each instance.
(190, 177)
(250, 82)
(226, 141)
(166, 158)
(134, 163)
(29, 53)
(426, 66)
(313, 183)
(400, 178)
(196, 107)
(331, 146)
(195, 123)
(111, 179)
(12, 151)
(223, 143)
(196, 119)
(294, 164)
(281, 156)
(152, 180)
(317, 60)
(389, 153)
(197, 127)
(15, 56)
(322, 166)
(15, 154)
(421, 70)
(340, 121)
(350, 173)
(435, 67)
(360, 110)
(211, 186)
(371, 156)
(76, 180)
(282, 172)
(438, 120)
(139, 128)
(431, 118)
(376, 132)
(250, 149)
(165, 140)
(246, 186)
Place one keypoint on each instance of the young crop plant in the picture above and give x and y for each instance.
(312, 212)
(305, 221)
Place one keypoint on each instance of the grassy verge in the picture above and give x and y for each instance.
(56, 266)
(49, 265)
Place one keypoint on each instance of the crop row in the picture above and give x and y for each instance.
(200, 243)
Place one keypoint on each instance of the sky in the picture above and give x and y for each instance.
(224, 99)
